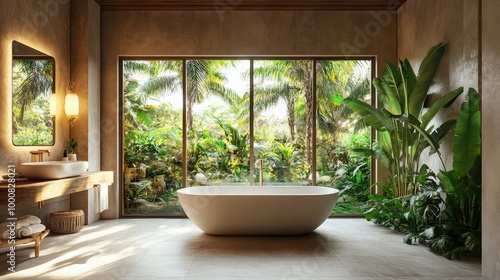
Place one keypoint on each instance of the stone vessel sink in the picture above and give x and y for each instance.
(50, 170)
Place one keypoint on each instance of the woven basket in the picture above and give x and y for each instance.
(67, 221)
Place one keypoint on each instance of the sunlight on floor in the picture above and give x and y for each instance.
(340, 249)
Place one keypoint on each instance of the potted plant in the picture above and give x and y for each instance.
(71, 145)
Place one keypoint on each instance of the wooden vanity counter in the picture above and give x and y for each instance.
(28, 191)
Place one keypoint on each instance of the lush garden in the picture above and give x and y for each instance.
(218, 105)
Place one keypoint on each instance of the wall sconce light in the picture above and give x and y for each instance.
(71, 105)
(53, 105)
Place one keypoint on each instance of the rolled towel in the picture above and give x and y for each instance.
(31, 219)
(30, 230)
(20, 223)
(4, 230)
(27, 220)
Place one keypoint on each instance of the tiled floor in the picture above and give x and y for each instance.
(174, 249)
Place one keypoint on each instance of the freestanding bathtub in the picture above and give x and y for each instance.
(252, 210)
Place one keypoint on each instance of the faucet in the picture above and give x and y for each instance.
(37, 155)
(260, 164)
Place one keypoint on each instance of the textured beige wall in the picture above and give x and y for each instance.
(491, 135)
(45, 27)
(454, 22)
(239, 33)
(85, 72)
(79, 72)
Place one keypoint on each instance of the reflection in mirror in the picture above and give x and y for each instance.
(33, 76)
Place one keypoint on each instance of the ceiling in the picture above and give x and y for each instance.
(227, 5)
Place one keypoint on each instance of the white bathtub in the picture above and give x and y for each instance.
(229, 210)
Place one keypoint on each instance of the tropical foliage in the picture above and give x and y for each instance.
(32, 82)
(218, 138)
(442, 210)
(404, 130)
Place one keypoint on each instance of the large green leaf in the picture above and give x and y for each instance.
(145, 116)
(438, 105)
(416, 124)
(440, 133)
(371, 115)
(426, 74)
(409, 81)
(385, 143)
(392, 76)
(131, 86)
(387, 96)
(411, 78)
(376, 153)
(449, 181)
(467, 141)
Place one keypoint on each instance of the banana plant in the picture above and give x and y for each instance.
(460, 229)
(404, 127)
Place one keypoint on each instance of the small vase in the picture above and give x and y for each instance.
(72, 157)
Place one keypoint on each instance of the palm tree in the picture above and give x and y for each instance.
(274, 86)
(204, 78)
(162, 77)
(335, 82)
(33, 78)
(291, 81)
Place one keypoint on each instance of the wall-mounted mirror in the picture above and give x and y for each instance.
(33, 82)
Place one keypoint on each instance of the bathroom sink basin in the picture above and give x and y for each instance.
(50, 170)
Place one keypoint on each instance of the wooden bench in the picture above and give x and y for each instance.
(37, 238)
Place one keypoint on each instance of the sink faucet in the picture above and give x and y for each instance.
(37, 155)
(260, 164)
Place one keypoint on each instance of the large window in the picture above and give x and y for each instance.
(218, 121)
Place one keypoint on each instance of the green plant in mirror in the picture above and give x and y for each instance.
(33, 75)
(403, 127)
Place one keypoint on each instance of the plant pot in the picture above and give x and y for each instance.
(72, 157)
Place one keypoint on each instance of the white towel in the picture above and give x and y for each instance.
(103, 197)
(97, 204)
(4, 230)
(30, 230)
(22, 223)
(26, 221)
(31, 219)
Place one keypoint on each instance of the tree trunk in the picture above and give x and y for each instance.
(189, 112)
(309, 118)
(291, 119)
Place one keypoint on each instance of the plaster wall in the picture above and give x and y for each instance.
(228, 33)
(85, 72)
(491, 135)
(43, 26)
(455, 23)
